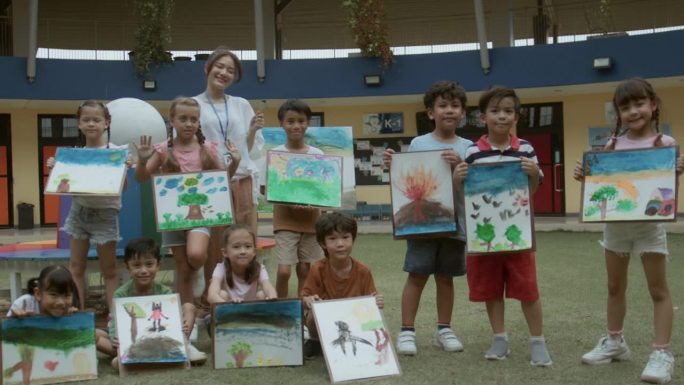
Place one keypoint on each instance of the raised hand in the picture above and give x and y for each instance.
(257, 122)
(145, 149)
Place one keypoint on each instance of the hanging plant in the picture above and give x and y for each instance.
(153, 34)
(365, 19)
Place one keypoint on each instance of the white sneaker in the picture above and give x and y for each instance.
(198, 283)
(447, 340)
(406, 343)
(659, 367)
(306, 335)
(196, 356)
(606, 351)
(193, 333)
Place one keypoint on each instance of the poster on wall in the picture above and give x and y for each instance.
(332, 141)
(498, 208)
(630, 185)
(383, 123)
(368, 163)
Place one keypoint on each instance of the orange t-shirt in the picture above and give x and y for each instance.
(323, 281)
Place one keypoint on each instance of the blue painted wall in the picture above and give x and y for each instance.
(653, 55)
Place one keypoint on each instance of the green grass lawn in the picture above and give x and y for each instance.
(571, 277)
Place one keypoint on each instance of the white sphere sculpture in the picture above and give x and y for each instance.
(132, 118)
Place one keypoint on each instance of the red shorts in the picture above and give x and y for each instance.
(489, 276)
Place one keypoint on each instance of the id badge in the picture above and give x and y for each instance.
(227, 159)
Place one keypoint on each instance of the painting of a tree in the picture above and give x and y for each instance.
(240, 351)
(602, 196)
(485, 232)
(188, 200)
(630, 185)
(514, 235)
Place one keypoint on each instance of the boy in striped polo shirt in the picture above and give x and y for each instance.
(512, 274)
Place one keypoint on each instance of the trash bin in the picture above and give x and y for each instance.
(25, 215)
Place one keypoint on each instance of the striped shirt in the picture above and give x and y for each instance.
(484, 152)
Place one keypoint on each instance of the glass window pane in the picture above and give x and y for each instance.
(70, 128)
(46, 127)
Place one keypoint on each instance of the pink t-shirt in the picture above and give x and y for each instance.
(241, 289)
(625, 143)
(189, 160)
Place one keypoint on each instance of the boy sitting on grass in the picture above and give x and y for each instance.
(142, 260)
(336, 276)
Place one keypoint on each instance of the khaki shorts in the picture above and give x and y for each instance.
(292, 247)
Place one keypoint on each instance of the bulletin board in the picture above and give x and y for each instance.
(368, 152)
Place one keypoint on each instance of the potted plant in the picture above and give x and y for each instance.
(153, 34)
(365, 19)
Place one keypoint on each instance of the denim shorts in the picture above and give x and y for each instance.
(635, 238)
(442, 256)
(99, 225)
(180, 237)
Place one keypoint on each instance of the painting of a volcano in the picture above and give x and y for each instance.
(422, 195)
(258, 333)
(630, 185)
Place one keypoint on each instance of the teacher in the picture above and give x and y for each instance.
(224, 116)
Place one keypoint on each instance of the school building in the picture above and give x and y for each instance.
(565, 87)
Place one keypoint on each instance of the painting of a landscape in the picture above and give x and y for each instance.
(304, 179)
(75, 168)
(260, 333)
(630, 185)
(498, 208)
(47, 350)
(332, 141)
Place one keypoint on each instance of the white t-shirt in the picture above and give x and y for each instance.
(241, 289)
(26, 302)
(240, 115)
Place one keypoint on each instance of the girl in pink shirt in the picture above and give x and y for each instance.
(186, 152)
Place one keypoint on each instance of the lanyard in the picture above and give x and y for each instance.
(225, 104)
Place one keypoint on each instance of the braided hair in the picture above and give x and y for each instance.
(632, 90)
(208, 161)
(94, 104)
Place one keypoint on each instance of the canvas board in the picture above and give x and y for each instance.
(422, 195)
(257, 334)
(192, 199)
(304, 179)
(87, 171)
(498, 208)
(332, 141)
(355, 340)
(630, 185)
(149, 329)
(53, 349)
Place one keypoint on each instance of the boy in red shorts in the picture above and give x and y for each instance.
(490, 276)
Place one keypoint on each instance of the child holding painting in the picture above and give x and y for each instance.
(56, 296)
(443, 257)
(294, 225)
(637, 126)
(91, 217)
(515, 273)
(186, 152)
(338, 275)
(142, 260)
